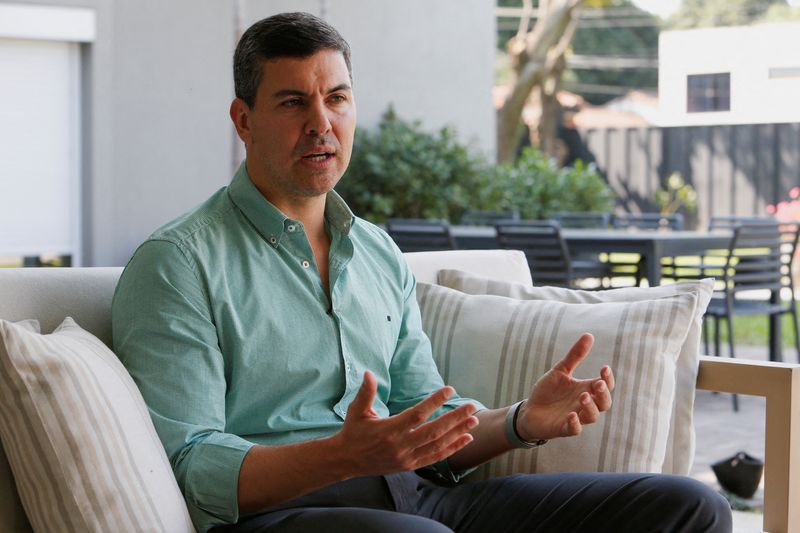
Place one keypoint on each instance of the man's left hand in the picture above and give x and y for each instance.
(559, 405)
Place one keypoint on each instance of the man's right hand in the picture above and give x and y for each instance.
(366, 445)
(405, 441)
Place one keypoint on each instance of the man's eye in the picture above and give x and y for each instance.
(294, 102)
(338, 98)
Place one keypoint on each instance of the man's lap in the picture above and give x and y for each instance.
(526, 502)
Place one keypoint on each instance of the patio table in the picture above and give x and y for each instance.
(651, 245)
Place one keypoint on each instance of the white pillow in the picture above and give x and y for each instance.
(79, 438)
(12, 514)
(493, 349)
(681, 444)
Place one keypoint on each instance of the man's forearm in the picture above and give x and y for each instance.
(489, 441)
(270, 475)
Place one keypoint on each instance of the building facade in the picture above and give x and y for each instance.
(733, 75)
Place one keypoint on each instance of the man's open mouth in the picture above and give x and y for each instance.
(318, 156)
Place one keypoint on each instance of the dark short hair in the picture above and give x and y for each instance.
(284, 35)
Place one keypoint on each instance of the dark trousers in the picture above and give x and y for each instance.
(561, 503)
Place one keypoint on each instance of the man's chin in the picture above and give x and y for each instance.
(317, 188)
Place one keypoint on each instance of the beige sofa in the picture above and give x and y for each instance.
(85, 294)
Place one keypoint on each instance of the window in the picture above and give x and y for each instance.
(708, 92)
(41, 140)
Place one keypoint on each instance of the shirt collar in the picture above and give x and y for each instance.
(269, 221)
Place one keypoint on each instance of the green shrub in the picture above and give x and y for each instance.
(399, 170)
(537, 187)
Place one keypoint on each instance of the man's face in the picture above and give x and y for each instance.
(299, 134)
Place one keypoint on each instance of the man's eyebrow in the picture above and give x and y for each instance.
(341, 87)
(297, 92)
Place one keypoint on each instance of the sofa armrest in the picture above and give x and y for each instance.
(779, 383)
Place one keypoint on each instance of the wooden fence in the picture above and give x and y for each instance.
(736, 169)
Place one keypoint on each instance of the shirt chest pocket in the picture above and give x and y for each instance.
(373, 330)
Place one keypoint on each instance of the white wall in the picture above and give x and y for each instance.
(434, 61)
(171, 135)
(747, 53)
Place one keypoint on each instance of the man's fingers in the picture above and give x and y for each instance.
(576, 354)
(439, 454)
(589, 412)
(608, 376)
(601, 395)
(442, 440)
(414, 416)
(572, 425)
(458, 420)
(362, 403)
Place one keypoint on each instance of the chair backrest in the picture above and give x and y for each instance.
(731, 221)
(647, 221)
(760, 257)
(544, 248)
(488, 218)
(586, 219)
(420, 235)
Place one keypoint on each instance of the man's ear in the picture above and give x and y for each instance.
(240, 115)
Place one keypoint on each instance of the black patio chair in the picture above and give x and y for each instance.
(488, 218)
(420, 235)
(647, 221)
(710, 264)
(588, 220)
(731, 221)
(582, 220)
(757, 269)
(546, 251)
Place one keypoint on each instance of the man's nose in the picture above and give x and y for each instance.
(317, 122)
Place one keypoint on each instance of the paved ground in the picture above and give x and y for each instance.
(721, 433)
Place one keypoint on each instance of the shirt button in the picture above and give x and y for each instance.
(306, 264)
(273, 240)
(291, 227)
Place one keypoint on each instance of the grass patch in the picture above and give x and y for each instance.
(754, 331)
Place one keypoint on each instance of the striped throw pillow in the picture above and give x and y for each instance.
(681, 441)
(494, 348)
(79, 438)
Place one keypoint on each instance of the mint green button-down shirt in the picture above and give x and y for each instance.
(222, 321)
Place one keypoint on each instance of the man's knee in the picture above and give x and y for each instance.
(696, 507)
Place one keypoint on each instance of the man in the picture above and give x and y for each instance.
(277, 341)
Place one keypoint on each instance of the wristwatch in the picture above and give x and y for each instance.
(510, 427)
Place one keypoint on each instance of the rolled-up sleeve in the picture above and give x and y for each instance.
(164, 333)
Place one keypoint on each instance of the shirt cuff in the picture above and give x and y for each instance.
(211, 487)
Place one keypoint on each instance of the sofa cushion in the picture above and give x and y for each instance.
(681, 442)
(493, 349)
(79, 438)
(509, 265)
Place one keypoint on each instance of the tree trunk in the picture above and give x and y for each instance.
(551, 110)
(534, 55)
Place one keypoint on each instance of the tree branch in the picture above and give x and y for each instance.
(533, 58)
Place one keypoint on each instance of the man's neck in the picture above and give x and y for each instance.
(309, 211)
